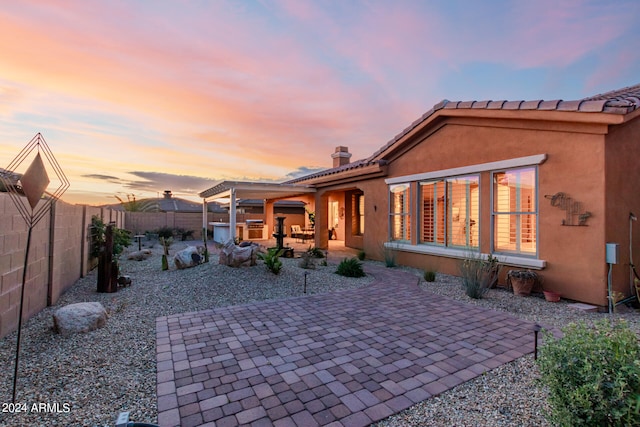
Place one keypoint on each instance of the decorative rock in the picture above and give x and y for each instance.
(79, 317)
(236, 256)
(188, 257)
(140, 255)
(124, 280)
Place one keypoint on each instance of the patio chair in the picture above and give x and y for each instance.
(296, 231)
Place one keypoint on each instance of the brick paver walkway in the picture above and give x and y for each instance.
(347, 358)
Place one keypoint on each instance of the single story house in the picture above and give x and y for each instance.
(542, 185)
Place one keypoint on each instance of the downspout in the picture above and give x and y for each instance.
(52, 235)
(632, 287)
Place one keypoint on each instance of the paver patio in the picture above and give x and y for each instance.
(346, 358)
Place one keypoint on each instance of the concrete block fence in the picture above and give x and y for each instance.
(58, 256)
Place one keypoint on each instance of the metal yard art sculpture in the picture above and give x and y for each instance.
(28, 191)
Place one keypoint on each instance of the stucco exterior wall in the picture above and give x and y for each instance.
(574, 165)
(622, 196)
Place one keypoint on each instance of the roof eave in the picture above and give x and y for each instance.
(436, 117)
(375, 170)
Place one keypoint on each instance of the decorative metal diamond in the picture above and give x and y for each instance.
(27, 191)
(34, 181)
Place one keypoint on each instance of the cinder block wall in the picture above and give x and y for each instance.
(58, 256)
(140, 222)
(13, 244)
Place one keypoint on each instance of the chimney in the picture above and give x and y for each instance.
(341, 156)
(167, 194)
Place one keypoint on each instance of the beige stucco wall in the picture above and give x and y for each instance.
(622, 196)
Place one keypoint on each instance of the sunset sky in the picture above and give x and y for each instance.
(138, 97)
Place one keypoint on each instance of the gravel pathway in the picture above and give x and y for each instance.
(92, 377)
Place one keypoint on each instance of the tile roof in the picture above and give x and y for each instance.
(349, 166)
(620, 101)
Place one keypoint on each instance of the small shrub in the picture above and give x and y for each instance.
(350, 267)
(165, 232)
(121, 237)
(361, 255)
(166, 244)
(389, 254)
(307, 261)
(478, 275)
(315, 252)
(429, 276)
(272, 260)
(592, 374)
(183, 233)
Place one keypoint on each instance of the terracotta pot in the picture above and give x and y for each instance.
(522, 287)
(551, 296)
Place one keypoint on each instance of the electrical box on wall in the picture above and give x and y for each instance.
(612, 253)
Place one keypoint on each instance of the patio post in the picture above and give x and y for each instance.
(232, 215)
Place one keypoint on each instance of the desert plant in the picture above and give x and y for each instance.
(429, 276)
(315, 252)
(307, 261)
(166, 243)
(183, 233)
(478, 275)
(592, 374)
(350, 267)
(165, 232)
(361, 255)
(271, 259)
(121, 237)
(133, 205)
(389, 254)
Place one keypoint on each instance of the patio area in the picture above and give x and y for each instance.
(347, 358)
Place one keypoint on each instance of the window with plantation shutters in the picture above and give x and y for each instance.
(400, 217)
(515, 211)
(450, 211)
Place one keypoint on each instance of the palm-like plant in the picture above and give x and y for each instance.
(133, 205)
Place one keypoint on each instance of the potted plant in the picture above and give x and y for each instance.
(551, 296)
(522, 281)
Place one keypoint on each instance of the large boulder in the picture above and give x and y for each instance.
(189, 257)
(79, 317)
(238, 256)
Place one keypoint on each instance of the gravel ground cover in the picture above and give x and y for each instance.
(87, 379)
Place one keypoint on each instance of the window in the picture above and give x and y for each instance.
(399, 216)
(357, 209)
(450, 211)
(515, 213)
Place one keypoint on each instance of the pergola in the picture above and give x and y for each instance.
(234, 190)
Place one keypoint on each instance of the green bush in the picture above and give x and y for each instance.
(307, 261)
(272, 260)
(121, 237)
(315, 252)
(429, 276)
(350, 267)
(361, 255)
(165, 232)
(478, 275)
(592, 374)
